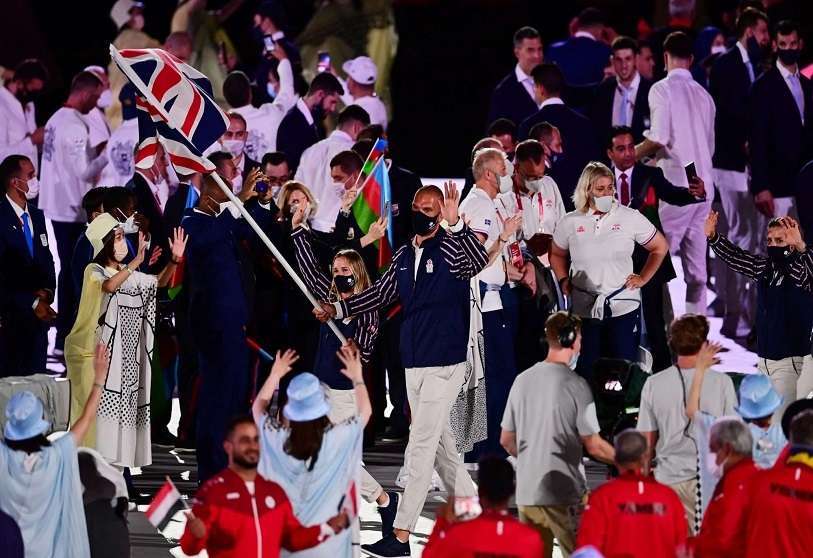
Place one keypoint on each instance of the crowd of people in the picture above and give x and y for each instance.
(486, 313)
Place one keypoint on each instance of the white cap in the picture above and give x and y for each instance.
(361, 69)
(120, 12)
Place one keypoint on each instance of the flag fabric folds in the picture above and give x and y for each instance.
(375, 200)
(166, 504)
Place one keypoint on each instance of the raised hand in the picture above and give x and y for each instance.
(101, 363)
(177, 244)
(512, 225)
(299, 215)
(710, 226)
(350, 356)
(247, 191)
(378, 228)
(697, 187)
(327, 312)
(155, 255)
(451, 202)
(707, 355)
(284, 363)
(793, 234)
(196, 525)
(141, 252)
(348, 198)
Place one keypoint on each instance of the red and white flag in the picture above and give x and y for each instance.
(165, 505)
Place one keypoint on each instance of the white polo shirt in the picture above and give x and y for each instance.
(16, 122)
(119, 150)
(600, 249)
(541, 211)
(481, 212)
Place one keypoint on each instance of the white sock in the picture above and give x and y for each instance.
(386, 503)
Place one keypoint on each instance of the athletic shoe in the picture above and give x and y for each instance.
(387, 514)
(388, 547)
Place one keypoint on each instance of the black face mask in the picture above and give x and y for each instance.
(344, 283)
(788, 56)
(778, 254)
(422, 224)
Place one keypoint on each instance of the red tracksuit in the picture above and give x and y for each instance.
(780, 517)
(491, 534)
(238, 524)
(720, 535)
(633, 516)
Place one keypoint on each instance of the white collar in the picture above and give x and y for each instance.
(17, 209)
(551, 101)
(522, 77)
(785, 72)
(341, 136)
(744, 52)
(303, 108)
(477, 191)
(679, 73)
(585, 34)
(628, 172)
(196, 210)
(633, 86)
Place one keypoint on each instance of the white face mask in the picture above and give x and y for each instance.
(105, 99)
(507, 181)
(269, 88)
(573, 361)
(120, 250)
(534, 185)
(228, 205)
(33, 188)
(235, 147)
(129, 226)
(718, 49)
(712, 467)
(604, 203)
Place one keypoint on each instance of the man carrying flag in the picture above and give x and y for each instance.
(374, 201)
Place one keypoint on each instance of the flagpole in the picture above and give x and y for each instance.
(145, 91)
(367, 178)
(356, 183)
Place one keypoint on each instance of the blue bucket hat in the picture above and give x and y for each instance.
(24, 417)
(758, 398)
(306, 399)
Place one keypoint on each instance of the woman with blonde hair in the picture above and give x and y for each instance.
(591, 256)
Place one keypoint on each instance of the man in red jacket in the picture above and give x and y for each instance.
(633, 515)
(239, 514)
(731, 444)
(780, 514)
(495, 532)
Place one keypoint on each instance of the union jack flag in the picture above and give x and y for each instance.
(175, 107)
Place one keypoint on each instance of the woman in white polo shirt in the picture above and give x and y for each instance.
(592, 258)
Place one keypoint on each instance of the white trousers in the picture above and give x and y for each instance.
(792, 377)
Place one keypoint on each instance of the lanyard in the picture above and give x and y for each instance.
(540, 206)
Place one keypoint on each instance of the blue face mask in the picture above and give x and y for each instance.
(269, 88)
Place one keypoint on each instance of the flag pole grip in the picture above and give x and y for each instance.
(270, 245)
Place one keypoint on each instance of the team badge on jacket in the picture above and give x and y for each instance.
(430, 267)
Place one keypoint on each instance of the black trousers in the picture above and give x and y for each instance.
(652, 306)
(66, 235)
(23, 344)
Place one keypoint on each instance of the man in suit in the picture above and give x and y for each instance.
(233, 142)
(583, 56)
(150, 186)
(621, 100)
(301, 126)
(27, 277)
(642, 187)
(513, 98)
(729, 84)
(578, 137)
(781, 111)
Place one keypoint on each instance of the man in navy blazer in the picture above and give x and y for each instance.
(27, 277)
(583, 56)
(781, 110)
(513, 98)
(579, 145)
(622, 100)
(301, 127)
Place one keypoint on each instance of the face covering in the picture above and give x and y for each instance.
(711, 465)
(604, 203)
(344, 283)
(272, 92)
(119, 250)
(105, 99)
(788, 56)
(422, 224)
(573, 361)
(228, 205)
(33, 189)
(534, 185)
(718, 49)
(129, 226)
(777, 254)
(235, 147)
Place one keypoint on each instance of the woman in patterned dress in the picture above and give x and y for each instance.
(117, 309)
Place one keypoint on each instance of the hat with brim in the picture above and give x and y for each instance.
(798, 406)
(306, 399)
(98, 229)
(758, 398)
(361, 69)
(24, 417)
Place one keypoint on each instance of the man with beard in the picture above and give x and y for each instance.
(19, 134)
(239, 500)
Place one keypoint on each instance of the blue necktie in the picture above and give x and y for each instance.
(751, 73)
(625, 99)
(29, 238)
(798, 96)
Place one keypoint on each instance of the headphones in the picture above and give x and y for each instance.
(567, 333)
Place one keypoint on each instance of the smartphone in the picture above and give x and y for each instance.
(261, 187)
(323, 61)
(268, 45)
(691, 172)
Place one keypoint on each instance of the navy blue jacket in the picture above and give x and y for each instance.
(22, 275)
(295, 135)
(729, 85)
(511, 100)
(435, 328)
(601, 109)
(581, 59)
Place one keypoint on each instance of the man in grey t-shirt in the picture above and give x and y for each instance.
(662, 416)
(549, 418)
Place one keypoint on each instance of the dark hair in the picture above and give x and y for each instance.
(620, 43)
(371, 132)
(29, 445)
(274, 11)
(542, 132)
(117, 197)
(550, 77)
(10, 167)
(679, 45)
(363, 148)
(233, 115)
(786, 27)
(274, 158)
(495, 480)
(630, 447)
(84, 81)
(353, 113)
(616, 131)
(590, 17)
(219, 157)
(502, 127)
(93, 200)
(688, 333)
(749, 18)
(237, 89)
(530, 150)
(327, 83)
(235, 421)
(644, 43)
(525, 33)
(348, 161)
(29, 69)
(557, 323)
(305, 439)
(801, 429)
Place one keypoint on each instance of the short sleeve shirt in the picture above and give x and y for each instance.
(541, 211)
(601, 249)
(550, 408)
(481, 213)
